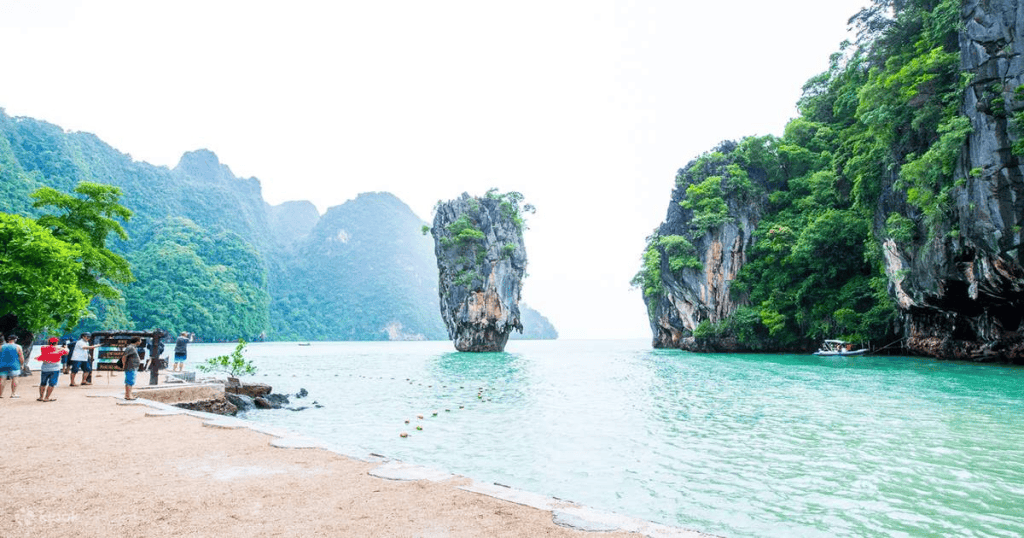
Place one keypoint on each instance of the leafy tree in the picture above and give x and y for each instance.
(648, 279)
(86, 221)
(39, 276)
(705, 199)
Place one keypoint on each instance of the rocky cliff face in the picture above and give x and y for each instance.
(961, 289)
(701, 292)
(481, 261)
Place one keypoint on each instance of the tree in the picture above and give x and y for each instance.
(86, 221)
(39, 276)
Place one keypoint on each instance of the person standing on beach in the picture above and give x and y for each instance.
(65, 361)
(80, 358)
(180, 352)
(50, 371)
(12, 359)
(130, 360)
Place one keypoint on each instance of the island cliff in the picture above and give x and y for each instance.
(889, 211)
(481, 261)
(697, 259)
(961, 290)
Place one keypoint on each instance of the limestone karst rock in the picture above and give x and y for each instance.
(701, 292)
(960, 290)
(481, 262)
(951, 244)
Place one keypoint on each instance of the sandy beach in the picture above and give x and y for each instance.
(90, 464)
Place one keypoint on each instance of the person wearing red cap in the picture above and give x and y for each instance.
(50, 371)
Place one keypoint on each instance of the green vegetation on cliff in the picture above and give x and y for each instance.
(220, 285)
(883, 120)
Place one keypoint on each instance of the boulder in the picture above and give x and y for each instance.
(277, 400)
(218, 406)
(252, 390)
(262, 403)
(241, 401)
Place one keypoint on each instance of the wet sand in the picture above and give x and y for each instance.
(90, 464)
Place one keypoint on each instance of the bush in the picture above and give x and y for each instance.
(233, 365)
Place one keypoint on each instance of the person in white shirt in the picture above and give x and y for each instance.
(80, 359)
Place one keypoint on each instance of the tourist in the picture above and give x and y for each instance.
(130, 360)
(80, 359)
(12, 359)
(65, 361)
(49, 373)
(180, 352)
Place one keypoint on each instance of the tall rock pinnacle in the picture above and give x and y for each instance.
(481, 262)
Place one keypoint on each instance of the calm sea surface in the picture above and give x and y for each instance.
(736, 445)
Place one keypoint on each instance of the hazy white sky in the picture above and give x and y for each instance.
(587, 107)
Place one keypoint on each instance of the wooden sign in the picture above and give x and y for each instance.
(112, 344)
(110, 352)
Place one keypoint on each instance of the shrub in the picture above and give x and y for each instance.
(233, 365)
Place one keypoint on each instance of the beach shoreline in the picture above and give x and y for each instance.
(92, 464)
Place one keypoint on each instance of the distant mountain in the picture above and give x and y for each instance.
(535, 326)
(211, 256)
(366, 272)
(291, 223)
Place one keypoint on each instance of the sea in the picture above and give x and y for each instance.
(728, 444)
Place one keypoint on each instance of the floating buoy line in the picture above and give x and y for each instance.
(481, 396)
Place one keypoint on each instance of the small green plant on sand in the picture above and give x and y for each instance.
(234, 365)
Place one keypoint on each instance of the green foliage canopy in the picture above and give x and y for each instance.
(86, 221)
(39, 275)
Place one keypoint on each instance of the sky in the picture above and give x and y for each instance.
(587, 107)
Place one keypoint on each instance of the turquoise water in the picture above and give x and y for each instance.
(736, 445)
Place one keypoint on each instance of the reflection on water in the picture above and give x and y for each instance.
(738, 445)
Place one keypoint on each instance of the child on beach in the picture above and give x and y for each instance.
(131, 366)
(12, 359)
(50, 371)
